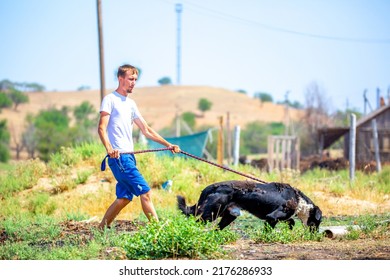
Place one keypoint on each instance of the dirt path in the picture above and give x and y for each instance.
(328, 249)
(245, 249)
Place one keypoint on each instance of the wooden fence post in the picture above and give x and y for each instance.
(220, 142)
(236, 152)
(229, 139)
(270, 154)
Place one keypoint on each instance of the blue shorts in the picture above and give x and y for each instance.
(130, 180)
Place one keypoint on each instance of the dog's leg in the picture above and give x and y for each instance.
(279, 214)
(214, 206)
(270, 224)
(226, 220)
(290, 223)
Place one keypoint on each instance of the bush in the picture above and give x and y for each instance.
(177, 236)
(204, 104)
(5, 101)
(40, 204)
(4, 141)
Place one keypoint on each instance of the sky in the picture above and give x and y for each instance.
(276, 47)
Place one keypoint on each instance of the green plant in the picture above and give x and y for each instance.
(83, 176)
(76, 216)
(4, 141)
(23, 227)
(40, 203)
(283, 234)
(204, 104)
(18, 97)
(177, 236)
(25, 175)
(384, 179)
(63, 184)
(353, 233)
(5, 101)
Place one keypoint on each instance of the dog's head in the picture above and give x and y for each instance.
(315, 218)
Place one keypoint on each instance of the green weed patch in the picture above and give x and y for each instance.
(177, 237)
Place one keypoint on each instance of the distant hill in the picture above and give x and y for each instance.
(159, 105)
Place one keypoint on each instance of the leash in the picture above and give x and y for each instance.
(223, 167)
(103, 165)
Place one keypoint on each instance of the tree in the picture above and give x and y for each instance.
(165, 81)
(86, 119)
(4, 141)
(33, 87)
(189, 118)
(264, 97)
(81, 88)
(28, 137)
(342, 118)
(51, 131)
(6, 85)
(5, 101)
(243, 91)
(294, 104)
(17, 97)
(204, 105)
(83, 112)
(255, 136)
(317, 107)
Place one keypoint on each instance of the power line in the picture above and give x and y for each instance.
(178, 9)
(228, 17)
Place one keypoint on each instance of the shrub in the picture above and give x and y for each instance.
(177, 237)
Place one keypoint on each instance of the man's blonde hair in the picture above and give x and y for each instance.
(126, 67)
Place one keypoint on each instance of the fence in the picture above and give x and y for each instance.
(283, 152)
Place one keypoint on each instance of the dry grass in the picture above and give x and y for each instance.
(93, 197)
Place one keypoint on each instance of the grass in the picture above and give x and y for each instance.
(177, 237)
(32, 212)
(23, 176)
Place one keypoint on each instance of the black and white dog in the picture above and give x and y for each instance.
(272, 202)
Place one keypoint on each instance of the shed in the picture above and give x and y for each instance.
(364, 136)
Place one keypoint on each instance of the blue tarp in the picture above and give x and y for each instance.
(193, 144)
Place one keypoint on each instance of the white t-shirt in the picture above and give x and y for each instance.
(123, 111)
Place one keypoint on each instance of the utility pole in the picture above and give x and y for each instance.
(352, 147)
(101, 51)
(179, 9)
(366, 102)
(378, 98)
(388, 95)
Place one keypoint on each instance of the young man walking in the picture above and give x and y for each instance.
(118, 113)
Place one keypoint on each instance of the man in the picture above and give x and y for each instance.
(117, 115)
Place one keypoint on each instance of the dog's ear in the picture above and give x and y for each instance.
(318, 213)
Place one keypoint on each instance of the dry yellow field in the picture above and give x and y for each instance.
(159, 106)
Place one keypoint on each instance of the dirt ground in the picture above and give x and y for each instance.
(328, 249)
(246, 249)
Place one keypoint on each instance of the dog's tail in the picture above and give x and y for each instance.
(187, 210)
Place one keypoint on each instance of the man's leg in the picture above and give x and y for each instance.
(147, 206)
(113, 211)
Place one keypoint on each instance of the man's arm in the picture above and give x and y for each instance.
(153, 135)
(102, 130)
